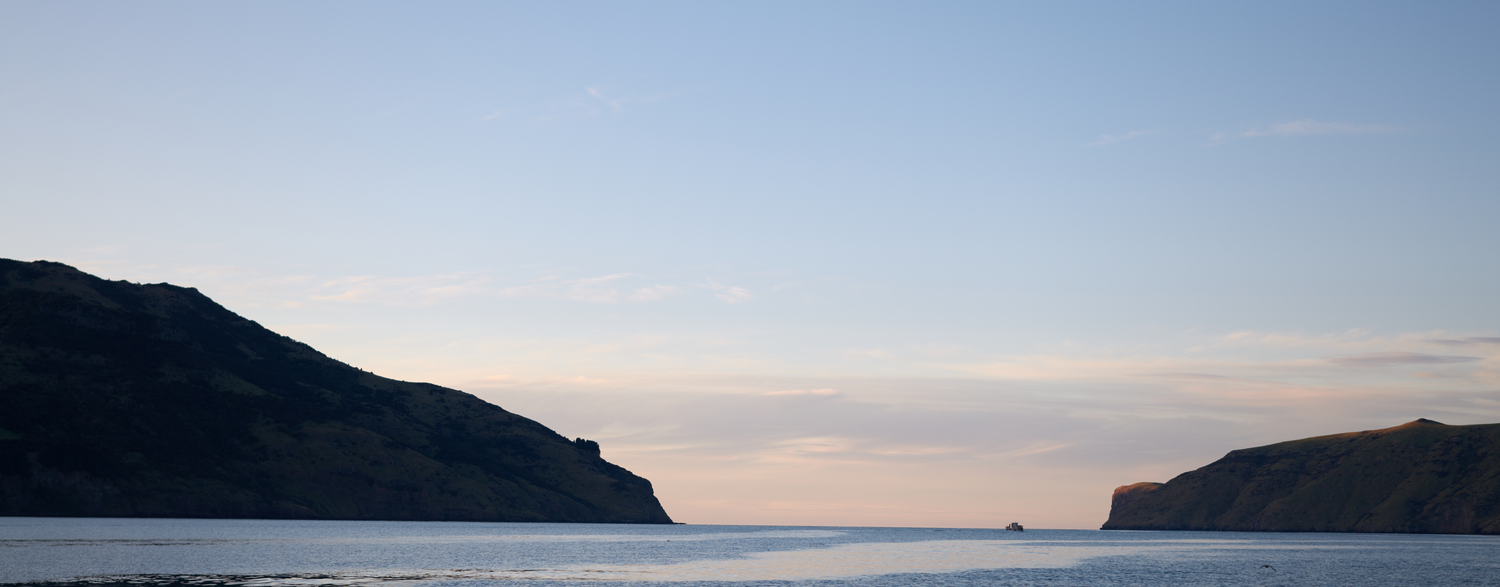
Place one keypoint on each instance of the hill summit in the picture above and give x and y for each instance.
(120, 399)
(1419, 477)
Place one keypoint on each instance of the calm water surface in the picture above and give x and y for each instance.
(86, 552)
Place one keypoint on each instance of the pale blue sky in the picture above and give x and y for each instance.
(855, 244)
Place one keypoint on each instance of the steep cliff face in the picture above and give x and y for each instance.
(1125, 495)
(1420, 477)
(118, 399)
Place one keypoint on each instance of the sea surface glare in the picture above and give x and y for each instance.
(278, 553)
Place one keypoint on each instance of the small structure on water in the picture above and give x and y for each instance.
(1015, 527)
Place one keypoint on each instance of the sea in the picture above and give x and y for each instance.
(86, 552)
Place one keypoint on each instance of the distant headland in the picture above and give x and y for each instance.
(1419, 477)
(120, 399)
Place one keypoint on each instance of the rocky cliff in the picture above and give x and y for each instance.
(119, 399)
(1420, 477)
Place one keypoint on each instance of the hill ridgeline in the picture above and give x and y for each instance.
(120, 399)
(1419, 477)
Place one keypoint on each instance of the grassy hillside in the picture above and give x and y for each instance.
(119, 399)
(1420, 477)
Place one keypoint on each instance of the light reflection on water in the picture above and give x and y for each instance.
(261, 553)
(854, 560)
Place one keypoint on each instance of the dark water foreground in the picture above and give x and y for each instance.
(256, 553)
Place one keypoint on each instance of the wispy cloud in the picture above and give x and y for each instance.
(804, 392)
(1112, 139)
(730, 294)
(1036, 448)
(1391, 359)
(1468, 341)
(243, 287)
(598, 100)
(653, 293)
(615, 104)
(1208, 376)
(416, 290)
(1306, 127)
(593, 289)
(608, 289)
(613, 288)
(1314, 127)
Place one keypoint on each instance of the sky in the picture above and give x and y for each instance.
(943, 264)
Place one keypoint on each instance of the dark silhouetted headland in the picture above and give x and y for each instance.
(1419, 477)
(120, 399)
